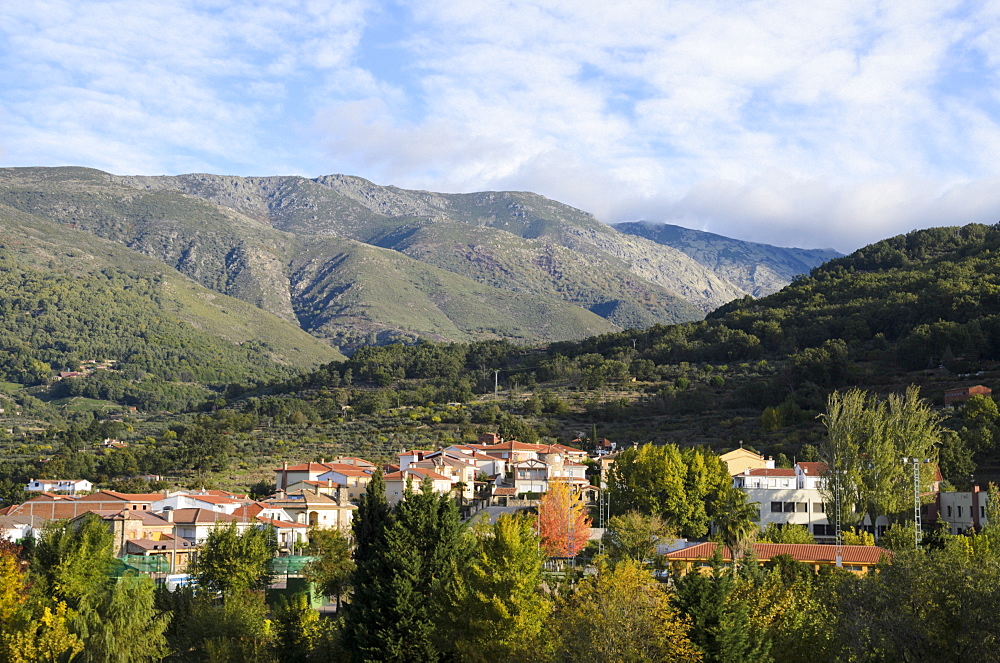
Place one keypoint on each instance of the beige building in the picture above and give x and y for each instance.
(740, 460)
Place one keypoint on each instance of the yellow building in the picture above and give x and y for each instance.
(740, 460)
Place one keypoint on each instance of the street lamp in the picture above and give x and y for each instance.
(917, 530)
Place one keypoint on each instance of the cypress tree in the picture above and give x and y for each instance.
(367, 613)
(401, 566)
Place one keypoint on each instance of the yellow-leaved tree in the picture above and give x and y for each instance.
(563, 523)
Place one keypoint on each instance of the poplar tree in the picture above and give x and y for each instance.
(497, 605)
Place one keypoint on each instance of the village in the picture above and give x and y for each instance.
(159, 534)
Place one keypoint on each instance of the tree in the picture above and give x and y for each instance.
(787, 534)
(72, 560)
(634, 536)
(867, 441)
(232, 562)
(332, 571)
(296, 627)
(650, 479)
(721, 626)
(622, 614)
(736, 522)
(44, 637)
(404, 559)
(563, 523)
(498, 609)
(121, 625)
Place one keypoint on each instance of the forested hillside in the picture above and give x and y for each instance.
(160, 338)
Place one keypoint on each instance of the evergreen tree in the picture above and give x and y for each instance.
(371, 574)
(720, 626)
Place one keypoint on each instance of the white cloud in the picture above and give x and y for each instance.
(818, 124)
(830, 124)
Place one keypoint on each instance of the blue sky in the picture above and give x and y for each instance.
(830, 124)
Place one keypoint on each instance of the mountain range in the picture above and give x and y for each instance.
(354, 263)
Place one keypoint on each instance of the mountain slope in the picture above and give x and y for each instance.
(758, 269)
(336, 288)
(352, 207)
(68, 296)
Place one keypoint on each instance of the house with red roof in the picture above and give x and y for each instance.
(859, 559)
(397, 483)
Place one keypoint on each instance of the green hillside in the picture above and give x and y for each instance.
(67, 296)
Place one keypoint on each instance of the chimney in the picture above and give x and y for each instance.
(168, 513)
(283, 483)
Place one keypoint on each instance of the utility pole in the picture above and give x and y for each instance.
(496, 383)
(917, 528)
(837, 515)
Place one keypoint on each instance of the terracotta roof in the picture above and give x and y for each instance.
(282, 523)
(354, 460)
(803, 552)
(505, 491)
(419, 471)
(201, 516)
(348, 470)
(147, 517)
(813, 469)
(103, 495)
(770, 472)
(166, 543)
(300, 498)
(305, 467)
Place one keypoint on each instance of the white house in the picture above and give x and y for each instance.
(68, 486)
(396, 483)
(767, 478)
(963, 510)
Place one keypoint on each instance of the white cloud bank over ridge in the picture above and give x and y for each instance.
(810, 124)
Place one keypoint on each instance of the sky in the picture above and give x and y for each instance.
(814, 124)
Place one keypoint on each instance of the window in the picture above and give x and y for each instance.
(959, 511)
(789, 507)
(801, 507)
(775, 507)
(949, 511)
(982, 512)
(819, 507)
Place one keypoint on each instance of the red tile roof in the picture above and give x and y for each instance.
(813, 469)
(419, 471)
(771, 472)
(103, 495)
(802, 552)
(305, 467)
(189, 516)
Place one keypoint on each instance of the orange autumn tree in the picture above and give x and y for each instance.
(563, 523)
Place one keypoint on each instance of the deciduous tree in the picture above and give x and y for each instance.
(622, 614)
(497, 606)
(232, 561)
(563, 523)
